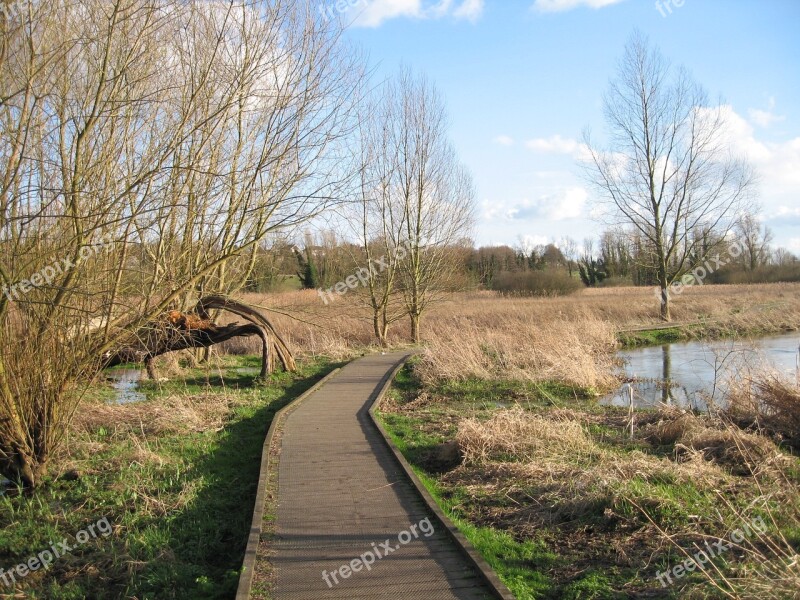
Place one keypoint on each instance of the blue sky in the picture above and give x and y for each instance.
(523, 78)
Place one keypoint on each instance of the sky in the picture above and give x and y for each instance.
(523, 79)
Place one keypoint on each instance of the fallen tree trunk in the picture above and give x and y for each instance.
(247, 312)
(180, 331)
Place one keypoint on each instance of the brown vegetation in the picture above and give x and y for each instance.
(767, 402)
(545, 475)
(484, 335)
(525, 436)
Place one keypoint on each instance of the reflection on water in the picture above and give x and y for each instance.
(687, 374)
(126, 383)
(254, 371)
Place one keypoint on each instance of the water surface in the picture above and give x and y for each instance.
(687, 374)
(126, 384)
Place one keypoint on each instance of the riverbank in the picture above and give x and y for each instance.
(690, 332)
(569, 339)
(175, 476)
(566, 501)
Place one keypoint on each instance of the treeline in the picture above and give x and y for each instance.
(618, 258)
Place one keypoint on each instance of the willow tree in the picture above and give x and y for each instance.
(148, 147)
(668, 170)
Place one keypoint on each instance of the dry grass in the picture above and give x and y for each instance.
(555, 471)
(484, 335)
(550, 471)
(735, 308)
(177, 413)
(715, 440)
(522, 435)
(519, 339)
(767, 401)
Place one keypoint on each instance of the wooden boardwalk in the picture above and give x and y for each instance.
(350, 524)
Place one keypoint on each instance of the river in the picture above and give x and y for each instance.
(687, 374)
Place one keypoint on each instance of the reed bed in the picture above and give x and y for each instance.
(484, 335)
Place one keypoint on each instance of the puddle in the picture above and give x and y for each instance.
(252, 371)
(126, 384)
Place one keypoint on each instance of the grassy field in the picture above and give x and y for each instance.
(567, 339)
(564, 502)
(587, 513)
(174, 475)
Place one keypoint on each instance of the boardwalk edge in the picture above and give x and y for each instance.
(253, 540)
(480, 564)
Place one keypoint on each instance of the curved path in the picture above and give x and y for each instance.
(350, 524)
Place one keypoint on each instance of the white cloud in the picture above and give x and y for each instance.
(491, 210)
(787, 211)
(765, 118)
(529, 242)
(373, 13)
(566, 203)
(778, 163)
(794, 244)
(471, 10)
(556, 144)
(564, 5)
(504, 140)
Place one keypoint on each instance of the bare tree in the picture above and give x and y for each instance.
(782, 257)
(754, 239)
(415, 202)
(667, 171)
(435, 193)
(147, 150)
(380, 218)
(569, 247)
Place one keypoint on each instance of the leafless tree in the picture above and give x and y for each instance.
(146, 149)
(435, 192)
(379, 217)
(754, 239)
(782, 257)
(415, 201)
(569, 247)
(667, 170)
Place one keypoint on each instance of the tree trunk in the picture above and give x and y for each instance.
(665, 315)
(414, 328)
(20, 467)
(378, 328)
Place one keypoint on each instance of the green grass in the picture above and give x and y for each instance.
(524, 564)
(489, 393)
(705, 330)
(547, 538)
(654, 337)
(518, 564)
(180, 521)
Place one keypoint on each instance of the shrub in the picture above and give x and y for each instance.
(536, 283)
(766, 274)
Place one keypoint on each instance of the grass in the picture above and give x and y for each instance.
(653, 337)
(175, 475)
(517, 563)
(571, 340)
(563, 503)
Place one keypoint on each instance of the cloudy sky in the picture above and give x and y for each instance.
(524, 78)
